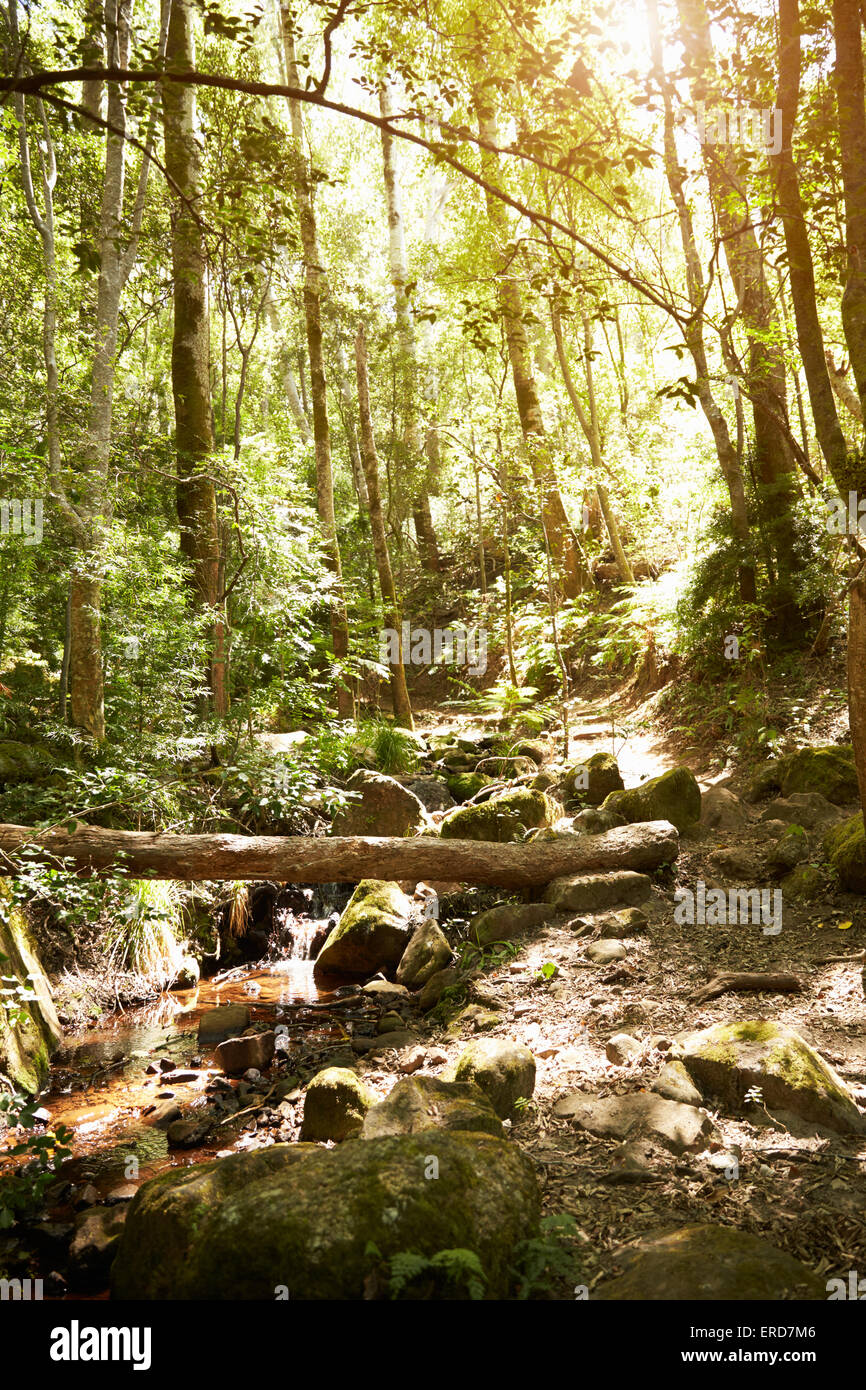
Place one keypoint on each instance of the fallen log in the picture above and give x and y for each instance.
(335, 859)
(739, 981)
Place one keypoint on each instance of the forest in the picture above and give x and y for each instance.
(432, 652)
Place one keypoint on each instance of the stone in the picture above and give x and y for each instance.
(845, 847)
(94, 1244)
(412, 1061)
(708, 1263)
(629, 922)
(463, 786)
(427, 952)
(593, 779)
(386, 1042)
(433, 793)
(506, 921)
(303, 1217)
(335, 1104)
(237, 1055)
(385, 807)
(605, 952)
(805, 881)
(828, 770)
(790, 849)
(387, 991)
(621, 1049)
(721, 809)
(372, 933)
(595, 892)
(729, 1059)
(674, 796)
(390, 1023)
(228, 1021)
(436, 986)
(674, 1083)
(503, 818)
(505, 1071)
(809, 809)
(678, 1128)
(161, 1115)
(595, 821)
(735, 862)
(189, 1133)
(428, 1102)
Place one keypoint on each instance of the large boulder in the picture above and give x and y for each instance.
(677, 1127)
(503, 818)
(464, 785)
(505, 1071)
(809, 809)
(236, 1055)
(674, 796)
(26, 1044)
(335, 1103)
(708, 1263)
(845, 847)
(428, 951)
(507, 920)
(385, 807)
(731, 1059)
(828, 770)
(427, 1102)
(372, 933)
(591, 781)
(301, 1218)
(721, 809)
(596, 892)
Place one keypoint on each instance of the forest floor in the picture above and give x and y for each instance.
(803, 1189)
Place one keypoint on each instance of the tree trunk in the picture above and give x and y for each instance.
(343, 859)
(190, 355)
(727, 454)
(428, 546)
(391, 615)
(561, 536)
(314, 292)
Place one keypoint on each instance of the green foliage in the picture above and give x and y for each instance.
(453, 1273)
(544, 1261)
(22, 1191)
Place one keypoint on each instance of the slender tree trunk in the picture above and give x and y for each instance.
(190, 355)
(766, 384)
(391, 614)
(729, 457)
(314, 293)
(555, 519)
(428, 546)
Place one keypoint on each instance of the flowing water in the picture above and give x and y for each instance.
(99, 1084)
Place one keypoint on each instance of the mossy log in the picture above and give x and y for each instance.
(337, 859)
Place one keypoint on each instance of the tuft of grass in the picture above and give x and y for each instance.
(145, 935)
(239, 909)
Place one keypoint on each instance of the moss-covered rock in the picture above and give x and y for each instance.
(791, 849)
(464, 785)
(30, 1034)
(507, 920)
(384, 807)
(372, 933)
(23, 762)
(730, 1059)
(419, 1103)
(505, 1071)
(591, 781)
(503, 818)
(708, 1263)
(828, 770)
(428, 951)
(674, 796)
(301, 1217)
(595, 821)
(806, 882)
(845, 847)
(335, 1104)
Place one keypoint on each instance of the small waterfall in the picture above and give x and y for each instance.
(303, 936)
